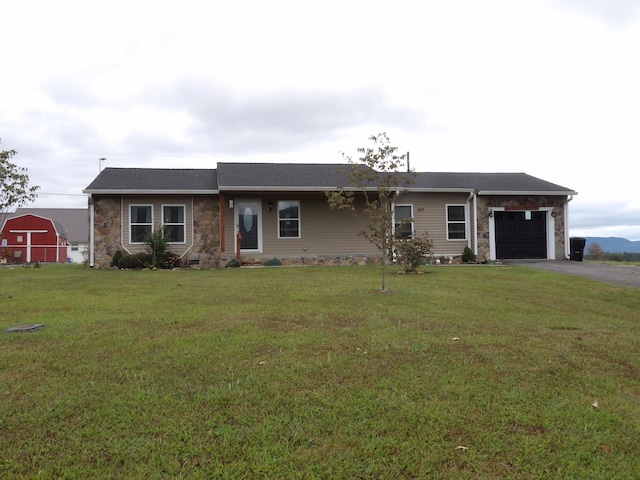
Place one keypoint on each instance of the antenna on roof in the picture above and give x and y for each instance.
(100, 160)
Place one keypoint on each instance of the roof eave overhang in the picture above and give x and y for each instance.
(149, 192)
(318, 189)
(437, 190)
(289, 189)
(527, 192)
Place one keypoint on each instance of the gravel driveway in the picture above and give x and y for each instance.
(626, 275)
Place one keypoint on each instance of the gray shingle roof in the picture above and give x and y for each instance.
(281, 176)
(154, 180)
(487, 183)
(292, 177)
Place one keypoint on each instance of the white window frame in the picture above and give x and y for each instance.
(410, 205)
(457, 222)
(131, 223)
(298, 219)
(183, 224)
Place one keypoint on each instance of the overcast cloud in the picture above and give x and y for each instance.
(546, 87)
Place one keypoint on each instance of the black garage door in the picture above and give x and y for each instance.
(518, 236)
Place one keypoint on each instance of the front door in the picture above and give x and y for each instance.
(249, 225)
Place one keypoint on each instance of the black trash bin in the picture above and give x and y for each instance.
(577, 248)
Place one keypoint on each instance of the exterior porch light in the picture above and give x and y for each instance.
(491, 212)
(269, 205)
(231, 203)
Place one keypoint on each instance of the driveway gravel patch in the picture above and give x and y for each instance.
(626, 275)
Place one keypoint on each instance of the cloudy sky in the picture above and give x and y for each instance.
(546, 87)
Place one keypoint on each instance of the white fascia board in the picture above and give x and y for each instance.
(291, 189)
(151, 192)
(520, 192)
(437, 190)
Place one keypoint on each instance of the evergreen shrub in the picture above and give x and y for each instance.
(138, 260)
(115, 261)
(468, 256)
(273, 262)
(233, 263)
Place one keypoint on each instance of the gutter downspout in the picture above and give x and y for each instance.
(393, 222)
(221, 200)
(567, 246)
(393, 213)
(92, 217)
(472, 195)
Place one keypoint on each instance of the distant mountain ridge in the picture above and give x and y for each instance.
(614, 244)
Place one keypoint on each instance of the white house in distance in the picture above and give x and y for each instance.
(74, 221)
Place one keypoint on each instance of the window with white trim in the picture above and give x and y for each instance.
(403, 219)
(173, 223)
(289, 219)
(140, 223)
(456, 222)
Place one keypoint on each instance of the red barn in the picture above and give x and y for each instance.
(32, 238)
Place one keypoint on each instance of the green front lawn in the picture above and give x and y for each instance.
(312, 373)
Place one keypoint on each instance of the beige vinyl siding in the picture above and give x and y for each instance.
(323, 232)
(157, 203)
(430, 218)
(326, 232)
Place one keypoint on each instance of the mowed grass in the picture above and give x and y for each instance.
(462, 372)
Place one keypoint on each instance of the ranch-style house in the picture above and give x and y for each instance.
(260, 211)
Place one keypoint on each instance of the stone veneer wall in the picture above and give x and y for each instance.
(107, 230)
(310, 261)
(485, 203)
(206, 233)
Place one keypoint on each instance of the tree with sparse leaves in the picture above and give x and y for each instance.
(14, 185)
(379, 177)
(594, 251)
